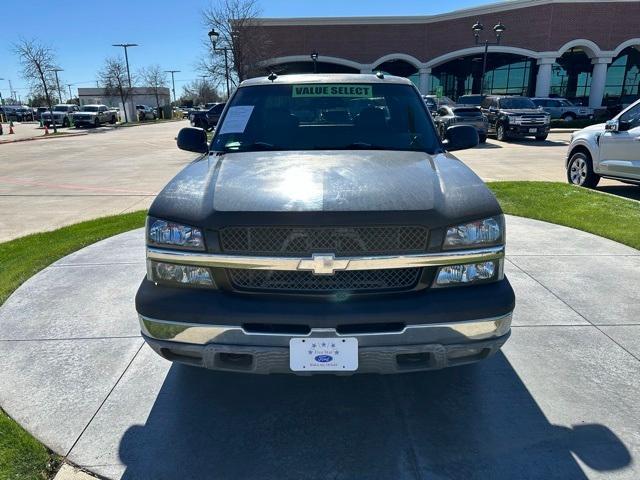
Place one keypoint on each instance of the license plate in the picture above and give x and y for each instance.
(323, 354)
(533, 130)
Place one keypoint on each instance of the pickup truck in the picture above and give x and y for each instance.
(207, 119)
(610, 150)
(514, 117)
(61, 115)
(94, 116)
(304, 242)
(563, 109)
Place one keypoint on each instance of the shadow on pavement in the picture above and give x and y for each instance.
(627, 191)
(488, 145)
(530, 142)
(463, 423)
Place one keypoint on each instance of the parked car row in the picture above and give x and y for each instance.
(17, 113)
(207, 119)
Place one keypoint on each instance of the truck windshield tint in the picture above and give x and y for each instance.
(326, 116)
(517, 103)
(60, 108)
(89, 109)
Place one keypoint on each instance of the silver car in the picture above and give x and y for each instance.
(610, 150)
(561, 108)
(62, 114)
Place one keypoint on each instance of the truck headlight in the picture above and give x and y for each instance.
(161, 272)
(475, 234)
(163, 233)
(468, 273)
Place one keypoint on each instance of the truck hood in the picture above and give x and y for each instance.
(324, 186)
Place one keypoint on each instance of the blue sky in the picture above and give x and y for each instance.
(170, 33)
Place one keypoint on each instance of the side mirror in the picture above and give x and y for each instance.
(193, 140)
(461, 137)
(611, 126)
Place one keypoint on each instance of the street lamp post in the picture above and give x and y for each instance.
(173, 82)
(56, 70)
(69, 85)
(213, 36)
(126, 56)
(314, 58)
(498, 30)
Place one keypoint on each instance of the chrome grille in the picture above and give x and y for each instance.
(337, 240)
(395, 279)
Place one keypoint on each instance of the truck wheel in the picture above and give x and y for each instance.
(568, 117)
(65, 122)
(580, 171)
(541, 138)
(482, 138)
(113, 120)
(96, 123)
(501, 133)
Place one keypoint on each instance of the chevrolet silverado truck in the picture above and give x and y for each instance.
(94, 116)
(303, 241)
(610, 150)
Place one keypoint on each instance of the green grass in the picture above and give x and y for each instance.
(609, 216)
(22, 457)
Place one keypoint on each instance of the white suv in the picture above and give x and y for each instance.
(610, 150)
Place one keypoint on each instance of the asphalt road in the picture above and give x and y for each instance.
(45, 184)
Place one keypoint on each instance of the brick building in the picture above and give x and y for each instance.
(586, 50)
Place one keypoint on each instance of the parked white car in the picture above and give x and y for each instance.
(610, 150)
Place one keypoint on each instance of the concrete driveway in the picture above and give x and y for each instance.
(559, 402)
(46, 184)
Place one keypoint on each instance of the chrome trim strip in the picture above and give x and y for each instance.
(340, 263)
(195, 333)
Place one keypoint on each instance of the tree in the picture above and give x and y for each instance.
(38, 61)
(200, 92)
(238, 24)
(113, 77)
(155, 78)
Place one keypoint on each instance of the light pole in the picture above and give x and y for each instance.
(314, 58)
(126, 56)
(69, 85)
(173, 82)
(213, 36)
(56, 70)
(498, 30)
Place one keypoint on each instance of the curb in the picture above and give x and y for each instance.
(43, 137)
(69, 472)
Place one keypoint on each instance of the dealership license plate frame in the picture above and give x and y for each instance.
(319, 354)
(533, 130)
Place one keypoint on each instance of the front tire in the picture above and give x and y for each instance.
(541, 138)
(501, 133)
(65, 123)
(568, 117)
(482, 138)
(113, 120)
(580, 171)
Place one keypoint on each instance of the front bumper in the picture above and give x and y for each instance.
(415, 348)
(528, 130)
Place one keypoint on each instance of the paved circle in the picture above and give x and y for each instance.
(560, 400)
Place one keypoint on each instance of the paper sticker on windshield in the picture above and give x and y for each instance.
(236, 119)
(332, 90)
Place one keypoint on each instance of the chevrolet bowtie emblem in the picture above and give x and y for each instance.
(323, 264)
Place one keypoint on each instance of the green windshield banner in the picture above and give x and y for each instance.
(332, 90)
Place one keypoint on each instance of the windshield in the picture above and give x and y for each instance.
(60, 108)
(89, 109)
(517, 102)
(326, 116)
(470, 100)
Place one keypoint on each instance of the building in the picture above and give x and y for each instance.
(585, 50)
(137, 96)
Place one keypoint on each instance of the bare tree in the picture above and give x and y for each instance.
(155, 78)
(38, 61)
(238, 24)
(114, 79)
(200, 92)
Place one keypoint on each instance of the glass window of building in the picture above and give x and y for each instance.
(623, 79)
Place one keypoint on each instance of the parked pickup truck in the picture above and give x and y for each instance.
(312, 246)
(561, 108)
(207, 119)
(61, 115)
(610, 150)
(94, 116)
(512, 116)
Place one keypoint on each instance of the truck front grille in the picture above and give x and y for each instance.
(388, 280)
(290, 241)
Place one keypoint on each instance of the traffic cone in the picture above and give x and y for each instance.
(11, 132)
(46, 129)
